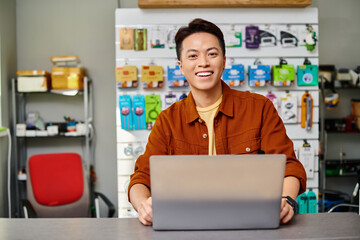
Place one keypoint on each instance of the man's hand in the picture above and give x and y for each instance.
(140, 198)
(145, 212)
(287, 212)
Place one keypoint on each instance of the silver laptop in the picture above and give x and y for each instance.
(216, 192)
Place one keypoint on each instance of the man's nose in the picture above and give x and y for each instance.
(203, 61)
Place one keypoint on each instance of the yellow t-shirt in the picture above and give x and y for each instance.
(208, 114)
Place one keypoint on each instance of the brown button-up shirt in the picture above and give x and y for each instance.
(246, 123)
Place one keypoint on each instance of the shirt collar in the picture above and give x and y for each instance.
(226, 106)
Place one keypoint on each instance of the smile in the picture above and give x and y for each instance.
(204, 74)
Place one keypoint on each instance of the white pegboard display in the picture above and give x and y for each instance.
(163, 23)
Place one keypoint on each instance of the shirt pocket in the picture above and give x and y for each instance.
(180, 147)
(245, 143)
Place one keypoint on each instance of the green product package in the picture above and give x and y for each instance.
(312, 202)
(302, 200)
(140, 39)
(152, 107)
(283, 75)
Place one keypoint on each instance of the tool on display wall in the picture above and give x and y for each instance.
(307, 103)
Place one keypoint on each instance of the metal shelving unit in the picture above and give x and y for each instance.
(324, 160)
(19, 100)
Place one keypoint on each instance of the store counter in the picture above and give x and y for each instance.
(316, 226)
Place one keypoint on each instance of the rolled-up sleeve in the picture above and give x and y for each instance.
(157, 145)
(275, 141)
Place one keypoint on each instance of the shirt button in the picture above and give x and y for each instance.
(247, 149)
(200, 121)
(204, 135)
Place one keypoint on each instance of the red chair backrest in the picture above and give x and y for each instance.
(56, 178)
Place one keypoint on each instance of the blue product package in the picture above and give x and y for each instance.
(234, 76)
(139, 117)
(307, 75)
(176, 78)
(259, 75)
(125, 112)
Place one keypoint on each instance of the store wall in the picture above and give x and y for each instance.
(339, 32)
(7, 69)
(86, 28)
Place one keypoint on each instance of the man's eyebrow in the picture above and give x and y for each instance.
(209, 49)
(212, 48)
(192, 50)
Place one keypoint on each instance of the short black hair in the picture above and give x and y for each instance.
(195, 26)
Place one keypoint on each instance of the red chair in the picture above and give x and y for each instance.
(57, 186)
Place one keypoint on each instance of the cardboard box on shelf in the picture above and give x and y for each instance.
(66, 73)
(67, 78)
(33, 81)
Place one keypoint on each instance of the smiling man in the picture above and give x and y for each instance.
(214, 119)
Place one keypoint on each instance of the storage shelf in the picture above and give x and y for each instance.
(343, 133)
(58, 136)
(67, 92)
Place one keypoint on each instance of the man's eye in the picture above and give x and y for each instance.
(192, 56)
(213, 54)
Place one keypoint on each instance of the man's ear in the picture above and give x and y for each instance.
(224, 62)
(180, 66)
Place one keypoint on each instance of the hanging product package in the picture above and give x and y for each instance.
(138, 104)
(283, 74)
(152, 76)
(234, 76)
(125, 112)
(152, 108)
(176, 78)
(307, 104)
(252, 37)
(126, 76)
(288, 108)
(307, 75)
(66, 73)
(259, 75)
(140, 39)
(126, 38)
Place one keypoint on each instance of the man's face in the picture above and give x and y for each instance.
(202, 61)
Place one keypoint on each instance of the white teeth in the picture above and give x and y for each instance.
(204, 74)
